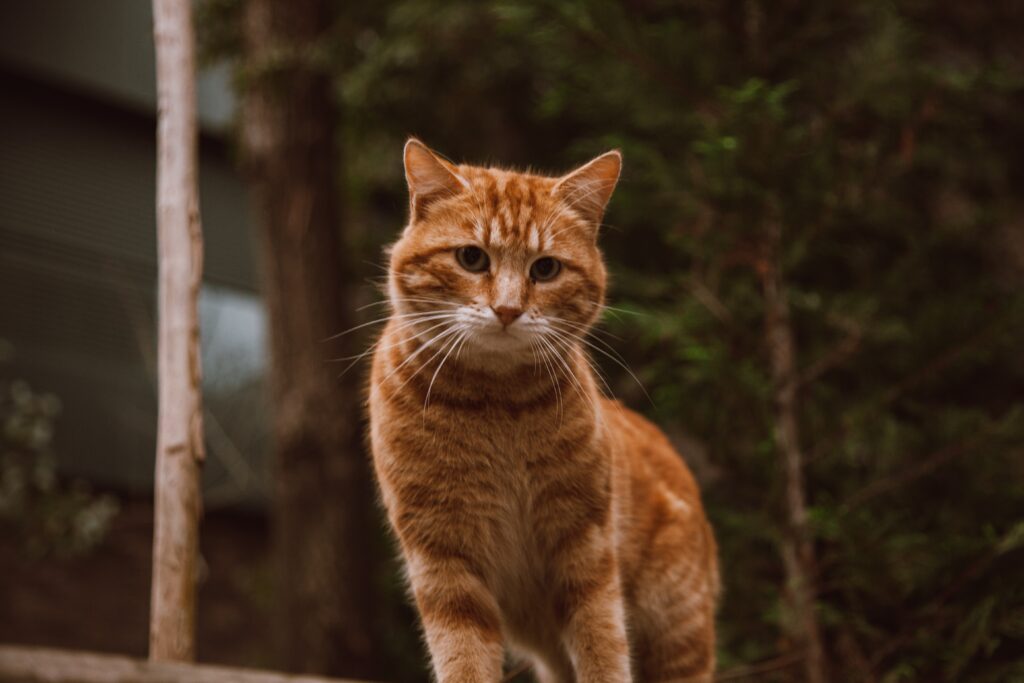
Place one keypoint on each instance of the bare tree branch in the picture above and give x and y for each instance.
(910, 474)
(798, 555)
(839, 354)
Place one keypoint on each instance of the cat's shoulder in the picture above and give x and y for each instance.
(618, 416)
(644, 443)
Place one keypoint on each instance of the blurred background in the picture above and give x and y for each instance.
(817, 260)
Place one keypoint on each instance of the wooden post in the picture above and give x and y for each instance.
(180, 424)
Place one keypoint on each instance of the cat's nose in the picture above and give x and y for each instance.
(506, 314)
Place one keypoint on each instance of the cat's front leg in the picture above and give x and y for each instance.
(460, 618)
(593, 610)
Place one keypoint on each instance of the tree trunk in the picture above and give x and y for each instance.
(180, 421)
(322, 525)
(798, 547)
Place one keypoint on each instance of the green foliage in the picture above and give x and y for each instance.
(51, 517)
(882, 142)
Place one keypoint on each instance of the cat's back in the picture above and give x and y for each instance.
(662, 519)
(648, 452)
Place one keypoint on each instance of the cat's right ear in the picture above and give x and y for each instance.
(430, 178)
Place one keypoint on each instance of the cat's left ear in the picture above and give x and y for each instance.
(430, 178)
(589, 187)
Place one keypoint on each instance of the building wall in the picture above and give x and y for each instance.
(104, 47)
(78, 253)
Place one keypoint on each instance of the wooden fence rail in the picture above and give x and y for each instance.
(45, 665)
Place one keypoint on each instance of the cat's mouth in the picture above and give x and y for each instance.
(488, 334)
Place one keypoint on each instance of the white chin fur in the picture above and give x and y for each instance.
(501, 341)
(499, 347)
(490, 341)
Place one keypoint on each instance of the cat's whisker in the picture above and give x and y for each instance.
(354, 361)
(554, 380)
(456, 343)
(406, 324)
(381, 302)
(376, 282)
(418, 300)
(583, 333)
(376, 345)
(617, 361)
(567, 370)
(458, 354)
(583, 338)
(424, 299)
(550, 356)
(384, 302)
(600, 375)
(386, 319)
(568, 347)
(423, 347)
(549, 363)
(577, 383)
(536, 357)
(426, 363)
(626, 311)
(375, 264)
(583, 329)
(413, 321)
(426, 345)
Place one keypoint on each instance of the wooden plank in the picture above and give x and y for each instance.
(45, 665)
(180, 421)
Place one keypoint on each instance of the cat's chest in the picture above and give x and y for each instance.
(520, 576)
(487, 478)
(509, 443)
(484, 481)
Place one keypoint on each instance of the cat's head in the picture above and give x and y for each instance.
(502, 262)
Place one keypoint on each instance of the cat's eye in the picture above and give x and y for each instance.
(545, 268)
(473, 259)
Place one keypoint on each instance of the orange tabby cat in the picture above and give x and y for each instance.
(532, 511)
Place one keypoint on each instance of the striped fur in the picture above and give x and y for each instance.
(533, 513)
